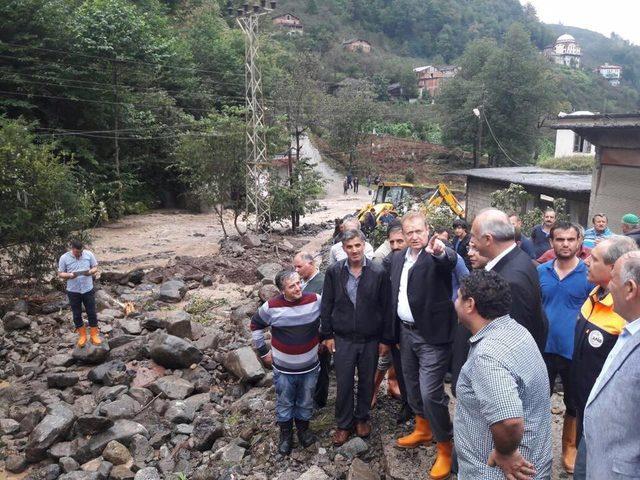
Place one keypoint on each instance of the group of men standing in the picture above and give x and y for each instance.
(518, 327)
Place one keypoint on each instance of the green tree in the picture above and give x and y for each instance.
(513, 87)
(42, 202)
(212, 164)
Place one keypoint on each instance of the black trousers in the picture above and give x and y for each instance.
(558, 365)
(350, 358)
(459, 355)
(322, 386)
(76, 300)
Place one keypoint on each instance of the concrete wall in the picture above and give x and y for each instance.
(615, 191)
(479, 195)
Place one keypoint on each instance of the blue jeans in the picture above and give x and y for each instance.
(294, 394)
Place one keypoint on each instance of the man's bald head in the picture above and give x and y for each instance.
(492, 232)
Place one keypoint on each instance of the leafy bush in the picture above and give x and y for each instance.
(574, 163)
(42, 202)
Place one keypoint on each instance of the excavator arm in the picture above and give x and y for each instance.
(443, 194)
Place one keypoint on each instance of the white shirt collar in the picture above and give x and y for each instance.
(633, 327)
(489, 266)
(304, 283)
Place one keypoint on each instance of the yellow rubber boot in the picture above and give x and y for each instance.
(82, 336)
(95, 338)
(421, 434)
(569, 448)
(442, 466)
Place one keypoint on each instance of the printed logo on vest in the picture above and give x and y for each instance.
(596, 339)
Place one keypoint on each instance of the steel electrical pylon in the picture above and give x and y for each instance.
(257, 180)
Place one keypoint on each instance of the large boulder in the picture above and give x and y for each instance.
(110, 373)
(91, 354)
(172, 387)
(135, 350)
(361, 471)
(174, 352)
(178, 323)
(206, 430)
(244, 364)
(267, 292)
(62, 379)
(148, 473)
(53, 426)
(116, 453)
(267, 272)
(123, 407)
(251, 240)
(122, 431)
(90, 424)
(172, 291)
(106, 301)
(15, 321)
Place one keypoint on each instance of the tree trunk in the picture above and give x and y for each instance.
(236, 214)
(220, 211)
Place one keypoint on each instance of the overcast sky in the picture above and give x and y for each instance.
(604, 16)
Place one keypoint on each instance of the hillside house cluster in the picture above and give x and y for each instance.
(290, 23)
(356, 45)
(431, 77)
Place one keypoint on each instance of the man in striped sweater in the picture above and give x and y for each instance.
(293, 318)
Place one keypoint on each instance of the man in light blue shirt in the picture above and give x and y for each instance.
(598, 232)
(77, 267)
(611, 429)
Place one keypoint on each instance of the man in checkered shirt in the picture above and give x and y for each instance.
(502, 425)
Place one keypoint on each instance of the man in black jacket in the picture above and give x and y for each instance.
(494, 237)
(424, 321)
(354, 325)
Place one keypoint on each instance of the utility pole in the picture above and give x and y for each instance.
(477, 146)
(256, 144)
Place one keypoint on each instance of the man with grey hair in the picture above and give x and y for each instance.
(354, 324)
(337, 253)
(597, 331)
(611, 429)
(494, 237)
(293, 317)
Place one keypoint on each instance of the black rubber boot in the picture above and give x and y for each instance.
(285, 445)
(305, 436)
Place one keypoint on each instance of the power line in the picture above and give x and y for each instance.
(496, 140)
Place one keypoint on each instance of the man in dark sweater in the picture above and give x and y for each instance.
(354, 324)
(293, 318)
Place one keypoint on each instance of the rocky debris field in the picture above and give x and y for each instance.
(175, 391)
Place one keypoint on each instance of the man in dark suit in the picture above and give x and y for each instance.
(312, 281)
(494, 237)
(424, 321)
(354, 322)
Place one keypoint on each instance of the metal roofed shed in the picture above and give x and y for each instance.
(542, 184)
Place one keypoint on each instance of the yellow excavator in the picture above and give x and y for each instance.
(390, 196)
